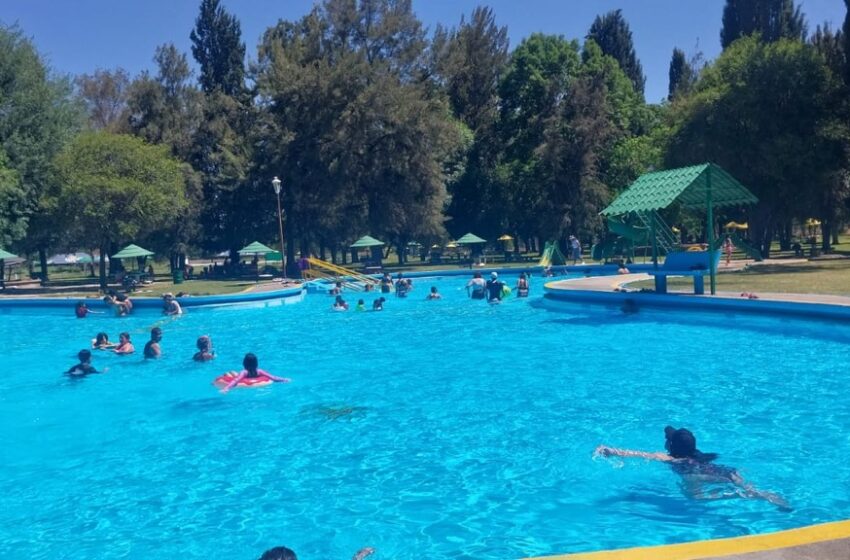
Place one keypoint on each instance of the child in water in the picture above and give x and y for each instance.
(361, 305)
(378, 304)
(84, 367)
(205, 352)
(252, 371)
(434, 294)
(697, 468)
(340, 304)
(101, 342)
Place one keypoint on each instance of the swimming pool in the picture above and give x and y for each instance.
(441, 430)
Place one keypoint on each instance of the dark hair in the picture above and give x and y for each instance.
(84, 356)
(81, 304)
(125, 335)
(250, 363)
(203, 343)
(360, 302)
(477, 275)
(682, 444)
(101, 337)
(156, 331)
(433, 289)
(279, 553)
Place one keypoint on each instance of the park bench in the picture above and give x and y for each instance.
(685, 263)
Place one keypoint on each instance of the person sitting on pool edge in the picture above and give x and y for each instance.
(101, 342)
(152, 349)
(434, 294)
(170, 306)
(478, 285)
(205, 352)
(283, 553)
(252, 371)
(124, 345)
(84, 367)
(697, 468)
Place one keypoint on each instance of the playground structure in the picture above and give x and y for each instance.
(552, 255)
(329, 272)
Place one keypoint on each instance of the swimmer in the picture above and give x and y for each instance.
(361, 305)
(697, 468)
(170, 306)
(251, 371)
(124, 345)
(152, 349)
(82, 310)
(117, 307)
(340, 304)
(386, 283)
(621, 268)
(522, 285)
(205, 352)
(283, 553)
(494, 288)
(84, 367)
(434, 294)
(101, 342)
(337, 289)
(368, 287)
(378, 304)
(402, 286)
(125, 300)
(478, 285)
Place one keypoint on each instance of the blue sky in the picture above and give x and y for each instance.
(79, 36)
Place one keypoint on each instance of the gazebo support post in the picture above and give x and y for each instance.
(710, 219)
(654, 240)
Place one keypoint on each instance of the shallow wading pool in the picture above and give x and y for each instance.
(443, 430)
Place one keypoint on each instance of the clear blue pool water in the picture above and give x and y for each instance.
(440, 430)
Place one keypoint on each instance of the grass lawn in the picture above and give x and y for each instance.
(812, 277)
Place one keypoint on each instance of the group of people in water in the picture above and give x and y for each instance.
(121, 305)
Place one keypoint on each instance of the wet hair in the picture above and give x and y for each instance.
(84, 356)
(279, 553)
(81, 304)
(339, 299)
(477, 275)
(433, 289)
(203, 343)
(101, 337)
(360, 302)
(125, 335)
(522, 274)
(681, 444)
(250, 363)
(156, 331)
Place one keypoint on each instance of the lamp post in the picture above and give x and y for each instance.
(276, 185)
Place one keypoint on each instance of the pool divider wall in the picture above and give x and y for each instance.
(294, 294)
(826, 541)
(703, 303)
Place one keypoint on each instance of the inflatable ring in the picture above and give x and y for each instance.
(223, 380)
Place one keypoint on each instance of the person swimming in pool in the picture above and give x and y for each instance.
(252, 371)
(434, 294)
(361, 305)
(101, 342)
(340, 304)
(84, 367)
(378, 304)
(697, 469)
(152, 348)
(124, 345)
(478, 285)
(522, 285)
(205, 352)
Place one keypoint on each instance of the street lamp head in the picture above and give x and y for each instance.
(276, 185)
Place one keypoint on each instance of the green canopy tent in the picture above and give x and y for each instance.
(474, 240)
(369, 242)
(133, 252)
(3, 256)
(256, 248)
(6, 255)
(706, 186)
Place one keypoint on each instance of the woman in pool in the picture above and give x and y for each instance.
(101, 342)
(124, 345)
(205, 352)
(478, 285)
(522, 285)
(252, 371)
(697, 468)
(378, 304)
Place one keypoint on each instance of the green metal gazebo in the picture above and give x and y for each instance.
(706, 186)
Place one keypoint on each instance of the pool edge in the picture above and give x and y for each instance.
(719, 548)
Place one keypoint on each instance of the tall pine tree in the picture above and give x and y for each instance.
(772, 19)
(217, 46)
(681, 74)
(611, 32)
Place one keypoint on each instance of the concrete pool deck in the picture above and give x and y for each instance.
(828, 541)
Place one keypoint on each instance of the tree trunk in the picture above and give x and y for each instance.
(825, 231)
(785, 230)
(291, 264)
(103, 268)
(42, 259)
(834, 232)
(322, 250)
(343, 254)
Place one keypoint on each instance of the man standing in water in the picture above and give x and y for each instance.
(494, 288)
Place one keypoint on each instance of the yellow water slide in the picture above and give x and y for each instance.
(351, 279)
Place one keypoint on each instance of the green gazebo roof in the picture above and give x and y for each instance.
(7, 255)
(255, 248)
(366, 241)
(131, 251)
(469, 239)
(687, 185)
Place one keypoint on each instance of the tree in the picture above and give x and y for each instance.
(771, 19)
(218, 48)
(681, 74)
(38, 114)
(611, 32)
(117, 188)
(105, 95)
(765, 113)
(12, 204)
(845, 41)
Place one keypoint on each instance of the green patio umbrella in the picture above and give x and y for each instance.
(6, 255)
(255, 248)
(132, 251)
(470, 239)
(365, 242)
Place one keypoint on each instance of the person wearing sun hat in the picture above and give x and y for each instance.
(170, 305)
(494, 288)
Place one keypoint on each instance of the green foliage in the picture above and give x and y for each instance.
(116, 188)
(12, 204)
(771, 19)
(611, 32)
(105, 95)
(766, 113)
(218, 48)
(682, 75)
